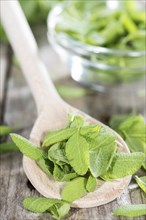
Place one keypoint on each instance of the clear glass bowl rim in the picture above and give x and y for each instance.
(51, 22)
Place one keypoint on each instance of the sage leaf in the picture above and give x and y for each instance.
(5, 130)
(131, 210)
(54, 137)
(74, 189)
(141, 181)
(8, 147)
(59, 210)
(77, 153)
(91, 184)
(132, 128)
(56, 154)
(63, 209)
(46, 165)
(77, 122)
(90, 132)
(39, 204)
(60, 174)
(135, 127)
(100, 160)
(116, 120)
(27, 148)
(124, 164)
(104, 138)
(72, 92)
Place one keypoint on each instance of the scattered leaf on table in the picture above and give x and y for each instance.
(130, 210)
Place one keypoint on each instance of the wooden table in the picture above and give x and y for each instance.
(18, 109)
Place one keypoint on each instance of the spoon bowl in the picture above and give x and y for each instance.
(52, 111)
(105, 192)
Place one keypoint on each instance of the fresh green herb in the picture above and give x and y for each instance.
(8, 147)
(77, 152)
(131, 210)
(38, 204)
(60, 210)
(72, 92)
(27, 148)
(121, 22)
(77, 122)
(77, 155)
(77, 27)
(100, 159)
(141, 181)
(91, 184)
(56, 207)
(57, 136)
(124, 164)
(46, 165)
(75, 189)
(132, 128)
(5, 130)
(57, 154)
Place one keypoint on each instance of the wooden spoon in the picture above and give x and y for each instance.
(52, 110)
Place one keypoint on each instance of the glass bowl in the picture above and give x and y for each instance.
(97, 67)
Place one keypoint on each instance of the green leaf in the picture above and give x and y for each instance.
(5, 130)
(141, 181)
(39, 204)
(54, 137)
(62, 209)
(72, 92)
(124, 164)
(131, 210)
(116, 120)
(91, 184)
(60, 174)
(77, 122)
(59, 210)
(100, 160)
(133, 130)
(74, 190)
(90, 132)
(77, 153)
(8, 147)
(27, 148)
(103, 138)
(55, 207)
(46, 165)
(56, 154)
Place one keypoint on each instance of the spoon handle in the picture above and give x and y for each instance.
(26, 50)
